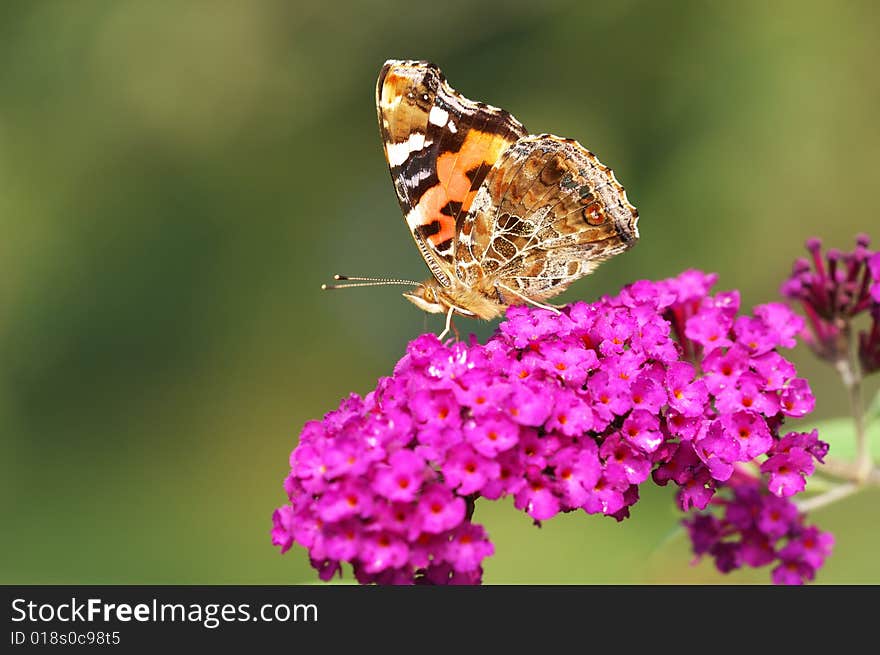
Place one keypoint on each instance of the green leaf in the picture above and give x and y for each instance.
(840, 433)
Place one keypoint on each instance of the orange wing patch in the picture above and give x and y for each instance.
(470, 165)
(460, 174)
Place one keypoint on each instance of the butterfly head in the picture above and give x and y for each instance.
(427, 297)
(432, 297)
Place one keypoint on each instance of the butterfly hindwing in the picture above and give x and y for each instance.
(547, 213)
(440, 147)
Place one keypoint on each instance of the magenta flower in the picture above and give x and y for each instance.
(778, 319)
(748, 395)
(751, 433)
(686, 396)
(570, 361)
(710, 328)
(343, 541)
(511, 477)
(492, 433)
(610, 393)
(697, 491)
(723, 368)
(755, 335)
(775, 517)
(566, 412)
(467, 471)
(704, 531)
(869, 340)
(774, 370)
(345, 499)
(623, 463)
(758, 529)
(678, 464)
(571, 416)
(642, 429)
(684, 427)
(755, 549)
(537, 499)
(577, 469)
(402, 479)
(648, 393)
(436, 408)
(797, 399)
(792, 572)
(467, 548)
(814, 546)
(874, 270)
(526, 406)
(604, 498)
(282, 530)
(439, 510)
(792, 460)
(718, 449)
(382, 551)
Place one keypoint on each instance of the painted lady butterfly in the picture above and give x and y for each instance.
(501, 217)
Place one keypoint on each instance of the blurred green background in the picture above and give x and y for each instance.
(178, 178)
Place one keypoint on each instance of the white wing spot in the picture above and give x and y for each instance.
(438, 116)
(415, 217)
(417, 177)
(398, 152)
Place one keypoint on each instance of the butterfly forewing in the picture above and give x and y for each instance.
(440, 146)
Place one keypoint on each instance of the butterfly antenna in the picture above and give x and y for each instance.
(366, 282)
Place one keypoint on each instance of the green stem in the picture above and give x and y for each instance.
(851, 374)
(863, 453)
(830, 496)
(847, 471)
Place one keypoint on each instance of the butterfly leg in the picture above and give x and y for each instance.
(551, 308)
(448, 324)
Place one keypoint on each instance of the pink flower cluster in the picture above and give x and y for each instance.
(758, 529)
(559, 411)
(833, 288)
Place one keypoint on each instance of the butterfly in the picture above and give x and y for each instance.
(501, 217)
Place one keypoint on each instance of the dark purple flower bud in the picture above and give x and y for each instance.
(831, 292)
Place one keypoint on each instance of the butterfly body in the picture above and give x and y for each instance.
(500, 216)
(432, 297)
